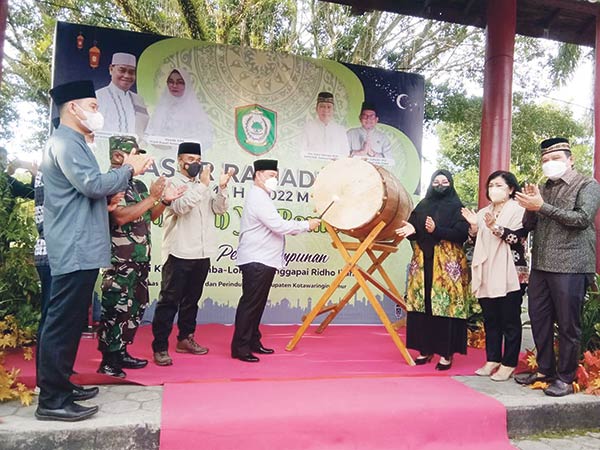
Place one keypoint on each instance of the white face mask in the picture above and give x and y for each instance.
(93, 121)
(271, 184)
(498, 194)
(554, 169)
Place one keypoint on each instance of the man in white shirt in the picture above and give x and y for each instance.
(189, 241)
(322, 137)
(367, 141)
(124, 111)
(260, 253)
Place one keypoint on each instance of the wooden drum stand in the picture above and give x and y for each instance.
(371, 247)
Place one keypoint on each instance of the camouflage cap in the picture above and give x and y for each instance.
(124, 144)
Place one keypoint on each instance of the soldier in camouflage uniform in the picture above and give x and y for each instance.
(125, 284)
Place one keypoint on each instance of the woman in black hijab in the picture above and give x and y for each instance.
(438, 296)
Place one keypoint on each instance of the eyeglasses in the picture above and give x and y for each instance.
(176, 82)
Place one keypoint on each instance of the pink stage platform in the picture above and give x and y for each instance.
(348, 388)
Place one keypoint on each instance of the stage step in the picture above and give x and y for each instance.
(530, 412)
(129, 418)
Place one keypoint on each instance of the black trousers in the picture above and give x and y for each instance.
(557, 297)
(256, 283)
(182, 285)
(59, 339)
(46, 281)
(502, 322)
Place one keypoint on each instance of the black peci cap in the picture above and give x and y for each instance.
(74, 90)
(191, 148)
(265, 164)
(554, 145)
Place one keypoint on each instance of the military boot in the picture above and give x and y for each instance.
(130, 362)
(111, 365)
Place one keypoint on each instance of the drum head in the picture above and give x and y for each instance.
(358, 188)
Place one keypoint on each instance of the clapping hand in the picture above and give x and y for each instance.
(225, 177)
(171, 192)
(406, 229)
(490, 220)
(115, 200)
(530, 198)
(205, 175)
(140, 163)
(470, 216)
(429, 225)
(157, 188)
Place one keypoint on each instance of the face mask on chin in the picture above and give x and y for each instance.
(193, 169)
(554, 169)
(92, 120)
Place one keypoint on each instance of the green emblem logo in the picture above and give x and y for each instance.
(255, 128)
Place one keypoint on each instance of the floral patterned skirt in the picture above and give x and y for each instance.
(450, 292)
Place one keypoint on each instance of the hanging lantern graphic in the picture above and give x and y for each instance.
(94, 56)
(80, 40)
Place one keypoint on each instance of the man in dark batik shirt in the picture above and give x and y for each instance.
(561, 213)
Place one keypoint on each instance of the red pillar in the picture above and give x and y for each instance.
(497, 90)
(597, 132)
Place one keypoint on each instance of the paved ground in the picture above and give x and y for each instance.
(584, 441)
(129, 418)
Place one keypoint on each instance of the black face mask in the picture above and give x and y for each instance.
(440, 190)
(193, 169)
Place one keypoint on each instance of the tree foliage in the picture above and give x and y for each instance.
(460, 127)
(19, 288)
(438, 50)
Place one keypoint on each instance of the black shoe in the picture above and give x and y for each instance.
(80, 393)
(559, 388)
(530, 378)
(263, 350)
(129, 362)
(423, 359)
(111, 370)
(440, 366)
(71, 412)
(111, 365)
(248, 357)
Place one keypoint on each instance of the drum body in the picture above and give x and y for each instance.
(365, 194)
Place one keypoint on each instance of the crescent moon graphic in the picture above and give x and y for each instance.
(399, 101)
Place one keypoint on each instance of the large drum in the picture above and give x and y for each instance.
(363, 195)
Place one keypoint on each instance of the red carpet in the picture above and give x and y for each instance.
(346, 389)
(340, 351)
(346, 413)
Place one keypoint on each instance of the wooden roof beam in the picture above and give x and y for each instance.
(468, 7)
(549, 21)
(591, 22)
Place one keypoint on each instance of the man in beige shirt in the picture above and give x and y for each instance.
(188, 243)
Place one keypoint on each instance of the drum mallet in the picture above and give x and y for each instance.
(334, 198)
